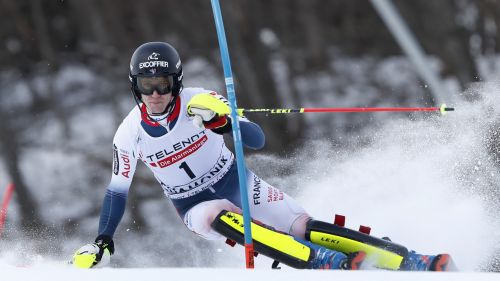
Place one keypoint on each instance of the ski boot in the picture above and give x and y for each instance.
(331, 259)
(418, 262)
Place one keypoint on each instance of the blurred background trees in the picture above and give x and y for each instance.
(64, 64)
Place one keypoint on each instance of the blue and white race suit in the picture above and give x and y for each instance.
(195, 169)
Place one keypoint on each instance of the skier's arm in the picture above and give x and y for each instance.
(211, 111)
(115, 198)
(113, 207)
(103, 247)
(252, 135)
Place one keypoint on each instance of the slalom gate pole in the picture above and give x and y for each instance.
(442, 109)
(240, 159)
(5, 203)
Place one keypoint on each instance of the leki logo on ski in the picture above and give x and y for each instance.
(153, 56)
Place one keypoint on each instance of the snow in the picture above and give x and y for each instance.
(196, 274)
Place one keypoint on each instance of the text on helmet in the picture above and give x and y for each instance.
(153, 64)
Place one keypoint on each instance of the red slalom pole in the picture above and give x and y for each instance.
(5, 203)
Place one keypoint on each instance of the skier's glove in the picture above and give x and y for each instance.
(97, 253)
(210, 111)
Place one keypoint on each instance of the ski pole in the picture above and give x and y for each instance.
(442, 109)
(5, 203)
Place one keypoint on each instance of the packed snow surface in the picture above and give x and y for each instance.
(197, 274)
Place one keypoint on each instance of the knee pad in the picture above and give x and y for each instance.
(267, 241)
(383, 253)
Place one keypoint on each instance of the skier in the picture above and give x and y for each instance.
(178, 133)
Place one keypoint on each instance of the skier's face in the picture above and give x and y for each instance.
(156, 103)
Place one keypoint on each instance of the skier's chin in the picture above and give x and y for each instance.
(157, 108)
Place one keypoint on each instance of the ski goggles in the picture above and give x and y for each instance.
(162, 84)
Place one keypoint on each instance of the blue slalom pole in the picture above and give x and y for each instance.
(238, 147)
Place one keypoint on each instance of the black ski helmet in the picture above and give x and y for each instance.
(155, 59)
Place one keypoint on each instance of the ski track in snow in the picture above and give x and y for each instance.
(422, 183)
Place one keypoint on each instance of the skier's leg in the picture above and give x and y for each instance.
(284, 248)
(209, 220)
(274, 207)
(382, 253)
(388, 255)
(268, 205)
(200, 217)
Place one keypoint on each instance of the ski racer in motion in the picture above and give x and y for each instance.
(178, 134)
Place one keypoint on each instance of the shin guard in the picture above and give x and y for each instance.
(382, 253)
(267, 241)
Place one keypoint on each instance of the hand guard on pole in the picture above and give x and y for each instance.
(210, 111)
(94, 254)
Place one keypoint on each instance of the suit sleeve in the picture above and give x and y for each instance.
(251, 134)
(124, 165)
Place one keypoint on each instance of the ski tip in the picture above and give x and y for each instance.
(443, 262)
